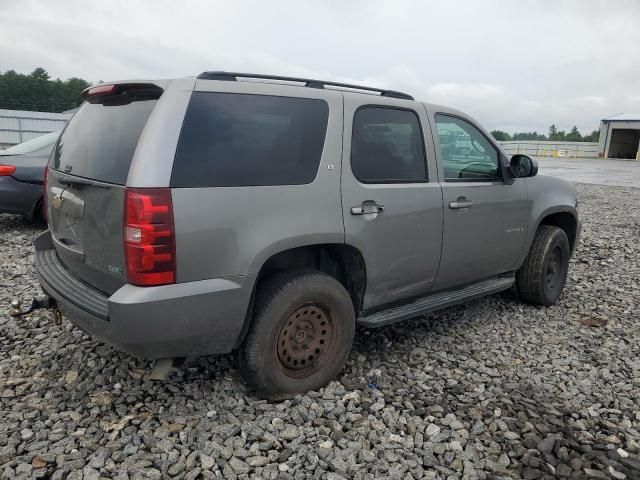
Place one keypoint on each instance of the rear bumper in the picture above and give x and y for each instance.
(185, 319)
(19, 197)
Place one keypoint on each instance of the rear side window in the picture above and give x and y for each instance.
(387, 146)
(230, 140)
(101, 138)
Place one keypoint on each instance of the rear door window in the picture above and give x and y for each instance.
(387, 146)
(231, 140)
(101, 138)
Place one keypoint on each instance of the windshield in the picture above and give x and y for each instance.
(32, 145)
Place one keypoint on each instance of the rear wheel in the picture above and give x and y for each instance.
(38, 213)
(541, 278)
(300, 336)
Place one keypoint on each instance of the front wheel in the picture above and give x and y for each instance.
(300, 336)
(541, 278)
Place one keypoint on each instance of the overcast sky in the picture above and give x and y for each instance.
(514, 65)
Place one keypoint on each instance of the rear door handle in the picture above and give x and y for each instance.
(367, 207)
(461, 202)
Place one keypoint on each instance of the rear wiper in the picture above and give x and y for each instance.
(79, 181)
(75, 181)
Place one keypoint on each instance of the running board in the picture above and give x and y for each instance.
(437, 301)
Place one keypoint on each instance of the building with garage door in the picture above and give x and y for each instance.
(620, 136)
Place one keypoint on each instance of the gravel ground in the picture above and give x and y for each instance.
(494, 389)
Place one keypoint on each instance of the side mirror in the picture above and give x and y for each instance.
(523, 166)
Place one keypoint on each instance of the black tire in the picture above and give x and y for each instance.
(307, 312)
(37, 216)
(541, 278)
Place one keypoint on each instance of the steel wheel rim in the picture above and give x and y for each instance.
(555, 267)
(305, 340)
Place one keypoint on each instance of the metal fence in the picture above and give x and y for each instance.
(552, 149)
(17, 126)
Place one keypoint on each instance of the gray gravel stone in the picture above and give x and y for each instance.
(258, 461)
(206, 462)
(511, 435)
(432, 430)
(547, 444)
(89, 473)
(592, 473)
(99, 458)
(290, 432)
(284, 455)
(239, 466)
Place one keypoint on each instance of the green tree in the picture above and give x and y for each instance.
(40, 73)
(528, 136)
(500, 136)
(73, 87)
(574, 135)
(38, 92)
(592, 137)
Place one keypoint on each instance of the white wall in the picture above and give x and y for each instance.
(537, 148)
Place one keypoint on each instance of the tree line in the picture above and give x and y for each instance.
(553, 134)
(38, 92)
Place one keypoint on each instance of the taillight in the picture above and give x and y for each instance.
(6, 170)
(101, 90)
(149, 237)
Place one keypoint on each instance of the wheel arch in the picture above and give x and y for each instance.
(554, 202)
(564, 219)
(343, 262)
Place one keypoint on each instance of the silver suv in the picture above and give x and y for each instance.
(270, 215)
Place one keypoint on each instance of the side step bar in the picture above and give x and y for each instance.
(437, 301)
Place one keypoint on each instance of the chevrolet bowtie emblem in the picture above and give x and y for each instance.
(56, 201)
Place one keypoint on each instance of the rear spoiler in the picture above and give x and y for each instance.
(122, 90)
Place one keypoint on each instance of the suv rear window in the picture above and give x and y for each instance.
(231, 140)
(101, 138)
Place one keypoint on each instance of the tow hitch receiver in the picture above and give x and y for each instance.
(36, 304)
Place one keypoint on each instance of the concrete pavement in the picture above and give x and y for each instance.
(624, 173)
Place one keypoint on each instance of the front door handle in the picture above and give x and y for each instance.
(367, 207)
(461, 202)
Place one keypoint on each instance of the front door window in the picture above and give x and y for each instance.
(466, 153)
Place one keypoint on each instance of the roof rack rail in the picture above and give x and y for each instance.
(233, 76)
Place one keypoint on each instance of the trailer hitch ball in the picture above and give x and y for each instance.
(15, 307)
(36, 303)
